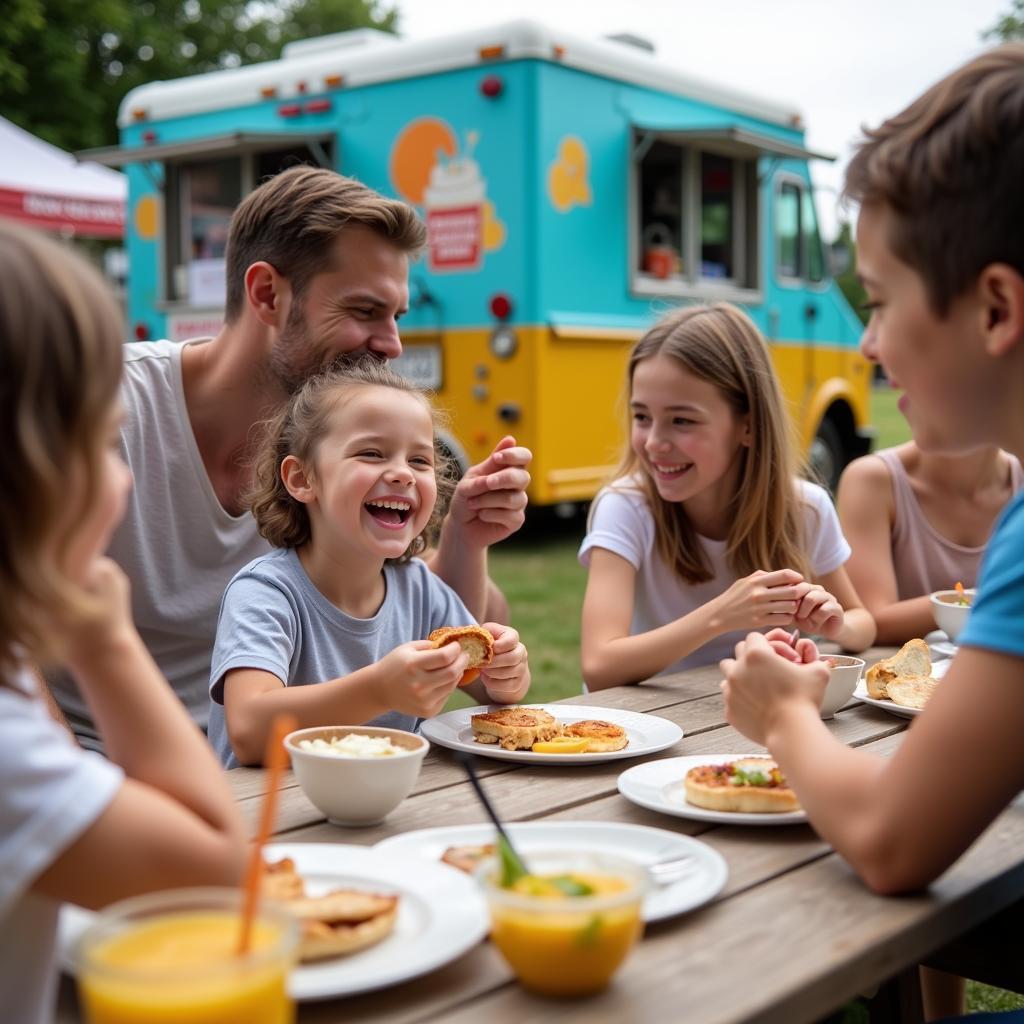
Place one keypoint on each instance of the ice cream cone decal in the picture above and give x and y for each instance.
(428, 169)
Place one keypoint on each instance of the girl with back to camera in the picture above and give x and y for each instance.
(73, 826)
(706, 532)
(348, 485)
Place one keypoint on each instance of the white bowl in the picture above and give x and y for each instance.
(356, 790)
(950, 615)
(844, 674)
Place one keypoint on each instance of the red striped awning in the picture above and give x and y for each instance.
(69, 215)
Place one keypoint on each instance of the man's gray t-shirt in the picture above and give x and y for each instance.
(177, 544)
(273, 618)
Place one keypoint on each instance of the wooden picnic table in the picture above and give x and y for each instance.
(793, 935)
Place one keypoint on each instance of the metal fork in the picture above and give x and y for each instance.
(672, 870)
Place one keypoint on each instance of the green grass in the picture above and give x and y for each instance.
(892, 427)
(539, 574)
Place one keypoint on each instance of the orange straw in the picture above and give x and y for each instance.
(274, 760)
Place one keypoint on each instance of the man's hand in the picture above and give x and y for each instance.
(489, 503)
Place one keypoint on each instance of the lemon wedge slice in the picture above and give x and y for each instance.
(561, 745)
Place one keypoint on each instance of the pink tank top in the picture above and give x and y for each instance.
(924, 560)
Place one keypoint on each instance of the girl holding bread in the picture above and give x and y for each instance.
(706, 531)
(350, 481)
(75, 827)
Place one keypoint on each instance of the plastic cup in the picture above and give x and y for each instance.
(574, 945)
(171, 957)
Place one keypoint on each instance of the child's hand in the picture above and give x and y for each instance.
(760, 685)
(818, 612)
(111, 620)
(792, 646)
(507, 676)
(417, 677)
(758, 600)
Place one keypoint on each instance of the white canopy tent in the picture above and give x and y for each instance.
(49, 189)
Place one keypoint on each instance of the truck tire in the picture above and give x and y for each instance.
(827, 456)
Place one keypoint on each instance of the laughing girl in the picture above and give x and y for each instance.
(348, 484)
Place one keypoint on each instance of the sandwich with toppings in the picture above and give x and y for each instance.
(750, 785)
(476, 641)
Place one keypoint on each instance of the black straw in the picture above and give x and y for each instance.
(469, 763)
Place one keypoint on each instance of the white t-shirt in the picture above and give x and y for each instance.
(51, 791)
(176, 543)
(621, 522)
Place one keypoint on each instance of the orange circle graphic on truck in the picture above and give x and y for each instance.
(415, 153)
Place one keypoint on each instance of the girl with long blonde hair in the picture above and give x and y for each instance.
(705, 530)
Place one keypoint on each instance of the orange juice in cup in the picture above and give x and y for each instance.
(172, 957)
(566, 927)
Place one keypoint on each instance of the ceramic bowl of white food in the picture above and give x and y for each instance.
(844, 674)
(358, 789)
(950, 614)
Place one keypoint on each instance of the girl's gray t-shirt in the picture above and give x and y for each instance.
(273, 618)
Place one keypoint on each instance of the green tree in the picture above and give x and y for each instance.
(65, 65)
(848, 281)
(1010, 25)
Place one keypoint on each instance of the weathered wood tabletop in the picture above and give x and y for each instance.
(793, 935)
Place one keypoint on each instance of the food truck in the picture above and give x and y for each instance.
(573, 190)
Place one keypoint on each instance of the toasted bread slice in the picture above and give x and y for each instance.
(912, 659)
(476, 641)
(912, 691)
(339, 922)
(712, 786)
(320, 940)
(514, 728)
(466, 858)
(602, 736)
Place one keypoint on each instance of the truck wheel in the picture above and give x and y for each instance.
(827, 455)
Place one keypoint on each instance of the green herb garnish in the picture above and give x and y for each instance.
(752, 777)
(590, 932)
(512, 868)
(571, 886)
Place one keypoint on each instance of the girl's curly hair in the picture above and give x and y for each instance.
(303, 423)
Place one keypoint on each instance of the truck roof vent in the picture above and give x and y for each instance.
(628, 39)
(356, 37)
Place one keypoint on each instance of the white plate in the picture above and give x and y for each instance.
(659, 786)
(707, 872)
(647, 733)
(939, 669)
(441, 915)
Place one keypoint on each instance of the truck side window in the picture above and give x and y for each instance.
(798, 242)
(812, 239)
(787, 230)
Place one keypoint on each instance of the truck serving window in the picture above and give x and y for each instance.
(695, 218)
(205, 192)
